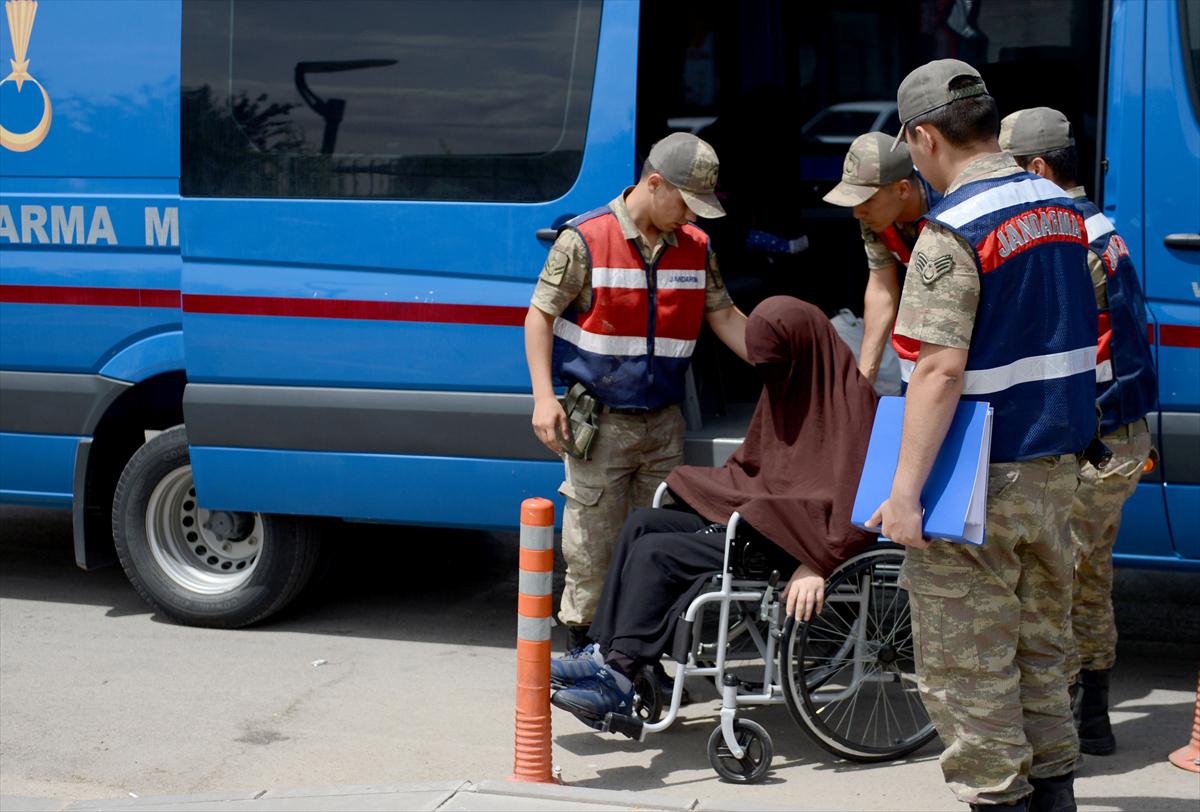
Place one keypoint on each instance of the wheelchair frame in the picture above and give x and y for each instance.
(740, 749)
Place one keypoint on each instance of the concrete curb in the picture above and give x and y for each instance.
(580, 795)
(22, 803)
(624, 799)
(431, 796)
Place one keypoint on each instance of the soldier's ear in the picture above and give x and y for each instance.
(922, 136)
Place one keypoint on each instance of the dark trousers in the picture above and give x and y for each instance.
(659, 566)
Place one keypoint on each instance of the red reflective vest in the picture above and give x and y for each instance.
(632, 346)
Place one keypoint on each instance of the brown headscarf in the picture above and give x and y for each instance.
(795, 475)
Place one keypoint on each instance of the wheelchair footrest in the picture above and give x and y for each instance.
(630, 726)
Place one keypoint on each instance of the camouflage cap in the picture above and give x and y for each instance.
(690, 165)
(1035, 131)
(869, 165)
(928, 88)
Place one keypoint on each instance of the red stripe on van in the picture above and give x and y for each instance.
(100, 297)
(1178, 335)
(354, 309)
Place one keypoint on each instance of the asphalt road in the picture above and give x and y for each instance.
(401, 669)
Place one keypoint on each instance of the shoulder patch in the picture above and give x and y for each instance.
(556, 266)
(931, 270)
(715, 282)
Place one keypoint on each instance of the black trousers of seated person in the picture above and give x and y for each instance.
(661, 563)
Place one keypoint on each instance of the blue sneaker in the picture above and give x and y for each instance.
(577, 664)
(591, 699)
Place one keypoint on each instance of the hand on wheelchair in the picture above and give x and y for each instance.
(804, 595)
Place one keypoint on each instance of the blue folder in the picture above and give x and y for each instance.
(955, 495)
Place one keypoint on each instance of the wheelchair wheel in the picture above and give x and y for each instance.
(849, 674)
(648, 704)
(751, 767)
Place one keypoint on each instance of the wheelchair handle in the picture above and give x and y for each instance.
(764, 608)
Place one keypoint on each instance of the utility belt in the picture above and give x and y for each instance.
(583, 412)
(633, 412)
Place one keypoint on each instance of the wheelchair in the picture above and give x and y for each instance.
(847, 676)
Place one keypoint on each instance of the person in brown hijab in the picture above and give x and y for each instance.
(793, 481)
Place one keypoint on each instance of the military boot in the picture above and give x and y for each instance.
(1053, 794)
(1095, 731)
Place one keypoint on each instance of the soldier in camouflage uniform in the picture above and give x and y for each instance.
(588, 323)
(998, 316)
(888, 198)
(1040, 141)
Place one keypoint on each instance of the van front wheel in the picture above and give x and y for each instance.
(201, 567)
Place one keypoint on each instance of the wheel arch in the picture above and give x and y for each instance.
(116, 430)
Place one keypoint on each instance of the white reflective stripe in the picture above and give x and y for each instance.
(906, 369)
(535, 537)
(1104, 371)
(618, 278)
(1024, 370)
(572, 333)
(535, 583)
(673, 347)
(1097, 226)
(680, 280)
(1000, 197)
(534, 629)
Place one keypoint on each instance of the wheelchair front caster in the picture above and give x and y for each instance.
(648, 705)
(753, 765)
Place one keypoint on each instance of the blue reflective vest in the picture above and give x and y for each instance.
(1033, 349)
(1126, 384)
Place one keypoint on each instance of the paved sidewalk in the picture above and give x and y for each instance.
(456, 796)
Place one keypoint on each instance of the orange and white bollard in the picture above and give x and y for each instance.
(533, 760)
(1188, 756)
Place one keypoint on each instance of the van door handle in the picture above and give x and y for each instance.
(549, 234)
(1188, 241)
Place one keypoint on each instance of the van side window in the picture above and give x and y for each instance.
(424, 100)
(1189, 24)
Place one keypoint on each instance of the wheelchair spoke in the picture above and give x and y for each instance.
(849, 707)
(908, 702)
(843, 670)
(896, 717)
(831, 614)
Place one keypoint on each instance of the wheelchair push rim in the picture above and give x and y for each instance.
(849, 674)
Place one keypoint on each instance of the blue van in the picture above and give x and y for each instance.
(268, 260)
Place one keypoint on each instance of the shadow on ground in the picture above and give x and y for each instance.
(463, 582)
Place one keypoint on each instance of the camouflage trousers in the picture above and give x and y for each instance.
(1095, 520)
(991, 627)
(631, 456)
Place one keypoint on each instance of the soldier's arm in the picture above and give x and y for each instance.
(549, 419)
(722, 315)
(932, 396)
(941, 295)
(558, 284)
(1099, 279)
(880, 303)
(730, 326)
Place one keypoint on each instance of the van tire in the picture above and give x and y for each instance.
(258, 563)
